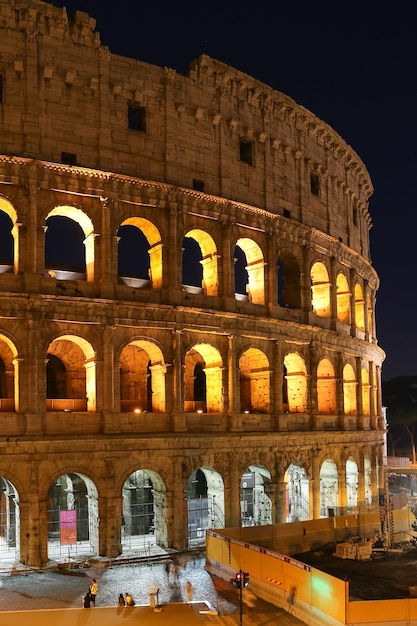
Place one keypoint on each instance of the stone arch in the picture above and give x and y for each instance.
(255, 501)
(297, 493)
(205, 503)
(73, 516)
(254, 381)
(78, 359)
(142, 377)
(349, 390)
(343, 299)
(255, 268)
(83, 220)
(329, 489)
(326, 387)
(289, 283)
(320, 289)
(154, 268)
(203, 364)
(10, 549)
(352, 481)
(359, 308)
(144, 510)
(295, 382)
(209, 281)
(9, 237)
(9, 375)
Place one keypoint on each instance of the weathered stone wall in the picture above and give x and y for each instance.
(63, 92)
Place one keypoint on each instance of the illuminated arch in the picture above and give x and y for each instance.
(9, 375)
(296, 383)
(85, 223)
(320, 289)
(9, 210)
(79, 371)
(343, 299)
(210, 281)
(349, 390)
(359, 308)
(255, 267)
(326, 387)
(203, 379)
(10, 549)
(254, 379)
(153, 237)
(142, 377)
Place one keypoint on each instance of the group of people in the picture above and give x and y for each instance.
(126, 600)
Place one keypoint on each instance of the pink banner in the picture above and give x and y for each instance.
(68, 527)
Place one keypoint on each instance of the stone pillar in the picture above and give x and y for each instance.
(305, 283)
(342, 491)
(106, 383)
(232, 496)
(280, 502)
(234, 396)
(276, 384)
(177, 509)
(353, 303)
(177, 382)
(333, 294)
(314, 485)
(108, 252)
(312, 399)
(359, 391)
(361, 480)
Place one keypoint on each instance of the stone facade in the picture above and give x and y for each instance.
(105, 373)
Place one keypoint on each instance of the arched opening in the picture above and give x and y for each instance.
(139, 253)
(359, 308)
(289, 284)
(255, 503)
(9, 238)
(142, 378)
(69, 244)
(320, 289)
(6, 243)
(73, 517)
(9, 389)
(203, 380)
(10, 549)
(343, 299)
(296, 383)
(326, 387)
(254, 382)
(249, 271)
(352, 476)
(349, 390)
(205, 504)
(297, 494)
(200, 263)
(329, 489)
(70, 371)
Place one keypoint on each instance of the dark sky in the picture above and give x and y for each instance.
(352, 65)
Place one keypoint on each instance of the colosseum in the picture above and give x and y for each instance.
(187, 329)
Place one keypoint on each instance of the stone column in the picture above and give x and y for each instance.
(234, 399)
(177, 382)
(333, 294)
(342, 495)
(314, 485)
(276, 384)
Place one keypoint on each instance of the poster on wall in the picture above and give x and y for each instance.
(68, 527)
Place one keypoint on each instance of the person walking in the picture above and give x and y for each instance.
(121, 601)
(189, 589)
(93, 591)
(167, 569)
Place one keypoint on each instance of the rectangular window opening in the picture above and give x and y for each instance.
(1, 89)
(246, 151)
(287, 213)
(136, 118)
(198, 185)
(68, 158)
(314, 184)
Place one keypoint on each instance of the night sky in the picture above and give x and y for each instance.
(352, 65)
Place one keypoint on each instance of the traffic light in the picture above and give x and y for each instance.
(237, 580)
(245, 579)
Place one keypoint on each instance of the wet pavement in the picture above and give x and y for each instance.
(25, 590)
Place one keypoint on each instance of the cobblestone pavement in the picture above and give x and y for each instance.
(65, 588)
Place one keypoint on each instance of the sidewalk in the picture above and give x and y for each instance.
(194, 614)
